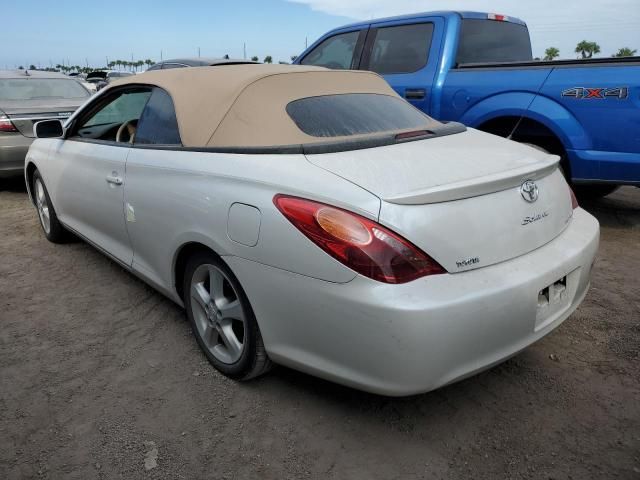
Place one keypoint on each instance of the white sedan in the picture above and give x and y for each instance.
(314, 219)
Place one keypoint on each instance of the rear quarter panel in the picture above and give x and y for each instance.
(180, 197)
(613, 124)
(475, 96)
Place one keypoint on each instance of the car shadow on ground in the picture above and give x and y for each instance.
(621, 209)
(13, 184)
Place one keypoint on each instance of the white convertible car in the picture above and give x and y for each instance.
(314, 219)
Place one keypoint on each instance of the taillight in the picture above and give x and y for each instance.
(6, 125)
(359, 243)
(574, 200)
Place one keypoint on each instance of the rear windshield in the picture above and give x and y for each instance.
(355, 114)
(37, 88)
(489, 41)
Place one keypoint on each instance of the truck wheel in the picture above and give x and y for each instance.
(594, 191)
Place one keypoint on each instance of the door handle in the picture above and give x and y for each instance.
(114, 179)
(414, 93)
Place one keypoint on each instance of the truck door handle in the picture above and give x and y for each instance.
(415, 93)
(114, 179)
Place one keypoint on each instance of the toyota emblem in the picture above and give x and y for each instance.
(529, 191)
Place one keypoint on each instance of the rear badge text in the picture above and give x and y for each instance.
(467, 262)
(534, 218)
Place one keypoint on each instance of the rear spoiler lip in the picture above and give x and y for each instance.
(341, 145)
(475, 187)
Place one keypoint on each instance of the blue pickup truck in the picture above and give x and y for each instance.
(478, 69)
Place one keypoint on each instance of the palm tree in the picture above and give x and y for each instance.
(587, 49)
(625, 52)
(268, 59)
(148, 62)
(254, 58)
(293, 58)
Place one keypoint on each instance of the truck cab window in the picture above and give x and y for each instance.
(335, 52)
(402, 49)
(486, 41)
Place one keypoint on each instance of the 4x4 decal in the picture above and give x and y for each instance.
(579, 93)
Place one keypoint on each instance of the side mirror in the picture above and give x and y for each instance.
(48, 129)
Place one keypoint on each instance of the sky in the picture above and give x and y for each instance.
(46, 32)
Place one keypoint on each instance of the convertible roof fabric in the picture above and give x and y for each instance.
(245, 105)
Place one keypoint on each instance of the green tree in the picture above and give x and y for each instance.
(625, 52)
(268, 59)
(587, 49)
(148, 62)
(32, 67)
(293, 58)
(254, 58)
(551, 53)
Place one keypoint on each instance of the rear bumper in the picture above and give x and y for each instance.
(593, 166)
(13, 150)
(415, 337)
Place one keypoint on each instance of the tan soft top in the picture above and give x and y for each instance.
(244, 105)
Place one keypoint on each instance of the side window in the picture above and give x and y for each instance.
(402, 49)
(123, 107)
(167, 66)
(158, 124)
(335, 52)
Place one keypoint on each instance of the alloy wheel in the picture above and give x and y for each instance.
(43, 206)
(219, 317)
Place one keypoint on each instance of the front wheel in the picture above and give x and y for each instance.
(51, 226)
(222, 319)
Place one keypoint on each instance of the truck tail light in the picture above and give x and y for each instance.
(6, 125)
(497, 17)
(357, 242)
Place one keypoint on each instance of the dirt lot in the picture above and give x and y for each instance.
(101, 378)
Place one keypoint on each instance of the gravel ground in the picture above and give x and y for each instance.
(100, 377)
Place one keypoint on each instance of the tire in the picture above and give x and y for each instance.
(222, 319)
(51, 226)
(595, 190)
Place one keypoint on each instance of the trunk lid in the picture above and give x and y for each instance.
(25, 113)
(459, 197)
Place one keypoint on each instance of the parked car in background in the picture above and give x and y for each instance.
(314, 218)
(25, 98)
(478, 69)
(101, 78)
(196, 62)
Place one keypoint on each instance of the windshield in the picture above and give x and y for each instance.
(355, 114)
(489, 41)
(37, 88)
